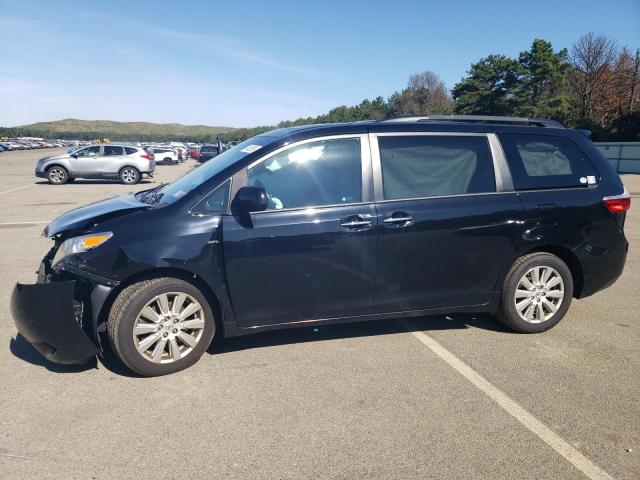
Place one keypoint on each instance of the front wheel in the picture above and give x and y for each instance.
(160, 326)
(129, 176)
(536, 293)
(57, 175)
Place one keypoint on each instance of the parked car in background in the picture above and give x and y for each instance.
(334, 223)
(123, 162)
(164, 155)
(195, 153)
(208, 151)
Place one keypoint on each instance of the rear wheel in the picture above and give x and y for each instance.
(160, 326)
(536, 293)
(167, 161)
(57, 175)
(129, 176)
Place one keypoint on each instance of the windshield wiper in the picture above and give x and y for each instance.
(152, 194)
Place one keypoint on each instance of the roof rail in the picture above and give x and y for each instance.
(534, 121)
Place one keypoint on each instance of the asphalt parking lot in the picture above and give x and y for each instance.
(439, 397)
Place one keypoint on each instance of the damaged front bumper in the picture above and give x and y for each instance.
(47, 316)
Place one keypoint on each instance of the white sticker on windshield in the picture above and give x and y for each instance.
(251, 148)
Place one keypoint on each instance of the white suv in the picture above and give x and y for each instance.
(164, 155)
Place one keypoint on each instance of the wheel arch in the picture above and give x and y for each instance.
(564, 254)
(182, 274)
(129, 165)
(57, 164)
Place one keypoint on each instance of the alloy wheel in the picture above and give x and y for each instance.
(168, 327)
(56, 175)
(129, 175)
(539, 294)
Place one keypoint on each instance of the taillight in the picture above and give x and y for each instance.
(147, 155)
(618, 203)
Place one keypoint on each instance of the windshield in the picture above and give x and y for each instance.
(195, 177)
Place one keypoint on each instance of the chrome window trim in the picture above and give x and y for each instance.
(409, 199)
(365, 169)
(501, 171)
(311, 209)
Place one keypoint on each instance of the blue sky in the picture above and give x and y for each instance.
(246, 62)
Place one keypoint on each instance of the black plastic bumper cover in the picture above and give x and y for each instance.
(44, 316)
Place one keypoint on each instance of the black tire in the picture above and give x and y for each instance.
(508, 313)
(129, 175)
(167, 161)
(125, 310)
(57, 175)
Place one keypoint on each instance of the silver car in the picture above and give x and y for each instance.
(123, 162)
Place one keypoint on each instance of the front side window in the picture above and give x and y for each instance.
(93, 151)
(539, 161)
(432, 166)
(215, 202)
(112, 150)
(325, 172)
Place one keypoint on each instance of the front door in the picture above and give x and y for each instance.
(87, 162)
(311, 255)
(445, 230)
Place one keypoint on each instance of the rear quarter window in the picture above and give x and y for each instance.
(130, 150)
(539, 162)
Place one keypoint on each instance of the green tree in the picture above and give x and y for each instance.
(542, 86)
(490, 87)
(425, 93)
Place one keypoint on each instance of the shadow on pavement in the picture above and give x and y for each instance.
(354, 330)
(95, 182)
(23, 350)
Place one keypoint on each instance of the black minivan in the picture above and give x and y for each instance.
(333, 223)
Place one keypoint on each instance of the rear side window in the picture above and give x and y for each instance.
(435, 166)
(113, 150)
(130, 150)
(539, 161)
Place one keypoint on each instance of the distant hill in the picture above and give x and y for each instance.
(87, 129)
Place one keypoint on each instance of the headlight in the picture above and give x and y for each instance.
(75, 245)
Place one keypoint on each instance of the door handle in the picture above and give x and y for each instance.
(398, 219)
(355, 222)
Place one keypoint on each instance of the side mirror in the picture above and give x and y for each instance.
(250, 199)
(74, 155)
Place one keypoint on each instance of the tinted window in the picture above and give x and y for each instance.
(113, 150)
(326, 172)
(130, 150)
(215, 202)
(539, 161)
(432, 166)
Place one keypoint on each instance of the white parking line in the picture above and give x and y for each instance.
(16, 189)
(547, 435)
(37, 222)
